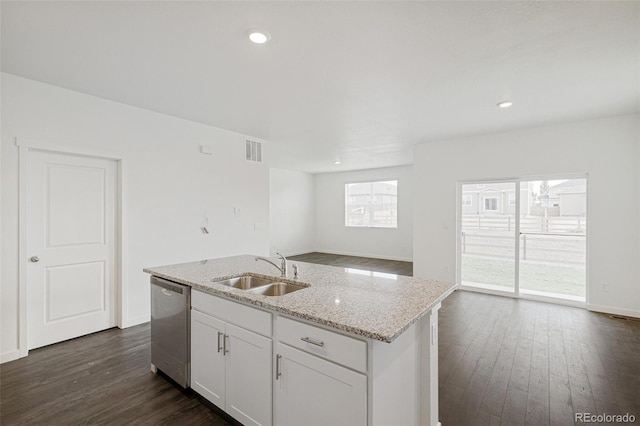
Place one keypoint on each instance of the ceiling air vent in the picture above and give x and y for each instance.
(254, 151)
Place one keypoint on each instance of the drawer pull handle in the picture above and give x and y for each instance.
(312, 341)
(219, 345)
(278, 372)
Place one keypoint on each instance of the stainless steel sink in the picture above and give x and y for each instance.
(276, 289)
(263, 286)
(246, 282)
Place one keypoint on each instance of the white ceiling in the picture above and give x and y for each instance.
(362, 81)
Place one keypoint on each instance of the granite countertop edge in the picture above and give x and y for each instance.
(279, 305)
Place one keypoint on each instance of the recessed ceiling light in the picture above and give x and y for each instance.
(337, 162)
(259, 36)
(505, 104)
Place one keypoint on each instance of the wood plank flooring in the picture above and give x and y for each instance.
(502, 362)
(515, 362)
(103, 379)
(370, 264)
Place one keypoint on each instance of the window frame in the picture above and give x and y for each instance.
(496, 203)
(372, 201)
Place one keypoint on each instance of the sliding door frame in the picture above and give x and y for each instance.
(516, 289)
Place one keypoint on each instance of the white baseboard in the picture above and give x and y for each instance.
(373, 256)
(9, 356)
(615, 311)
(130, 322)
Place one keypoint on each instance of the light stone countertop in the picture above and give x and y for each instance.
(370, 304)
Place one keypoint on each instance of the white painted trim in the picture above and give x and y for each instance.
(23, 174)
(9, 356)
(373, 256)
(616, 311)
(122, 303)
(135, 321)
(63, 147)
(587, 245)
(516, 237)
(24, 146)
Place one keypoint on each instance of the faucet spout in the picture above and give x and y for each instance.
(283, 265)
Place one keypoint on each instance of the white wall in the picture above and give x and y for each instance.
(606, 149)
(167, 186)
(333, 237)
(291, 212)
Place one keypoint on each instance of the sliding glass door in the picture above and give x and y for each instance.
(488, 238)
(553, 239)
(544, 221)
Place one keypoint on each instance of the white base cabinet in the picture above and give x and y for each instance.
(208, 369)
(312, 375)
(248, 377)
(313, 391)
(231, 367)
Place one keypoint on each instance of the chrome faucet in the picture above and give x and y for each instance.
(283, 264)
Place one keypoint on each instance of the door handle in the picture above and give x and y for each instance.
(313, 341)
(225, 351)
(34, 259)
(278, 372)
(219, 345)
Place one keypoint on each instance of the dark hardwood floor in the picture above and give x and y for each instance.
(514, 362)
(502, 362)
(378, 265)
(102, 378)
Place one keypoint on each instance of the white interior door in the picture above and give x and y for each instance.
(71, 240)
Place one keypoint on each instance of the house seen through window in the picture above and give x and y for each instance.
(371, 204)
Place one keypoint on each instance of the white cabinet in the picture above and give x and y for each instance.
(314, 391)
(311, 387)
(207, 357)
(248, 377)
(311, 375)
(230, 365)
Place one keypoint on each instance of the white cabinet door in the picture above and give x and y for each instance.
(207, 357)
(313, 391)
(248, 376)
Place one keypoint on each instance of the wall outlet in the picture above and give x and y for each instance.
(605, 287)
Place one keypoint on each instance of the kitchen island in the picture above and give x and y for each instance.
(353, 346)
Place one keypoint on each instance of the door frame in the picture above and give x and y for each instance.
(25, 146)
(516, 292)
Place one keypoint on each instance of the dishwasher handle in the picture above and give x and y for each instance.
(167, 286)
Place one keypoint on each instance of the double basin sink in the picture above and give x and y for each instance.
(261, 285)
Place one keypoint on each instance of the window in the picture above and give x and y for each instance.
(371, 204)
(491, 204)
(512, 199)
(467, 200)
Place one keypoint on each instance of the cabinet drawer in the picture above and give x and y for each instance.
(235, 313)
(336, 347)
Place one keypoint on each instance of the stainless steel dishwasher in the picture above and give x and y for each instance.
(170, 341)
